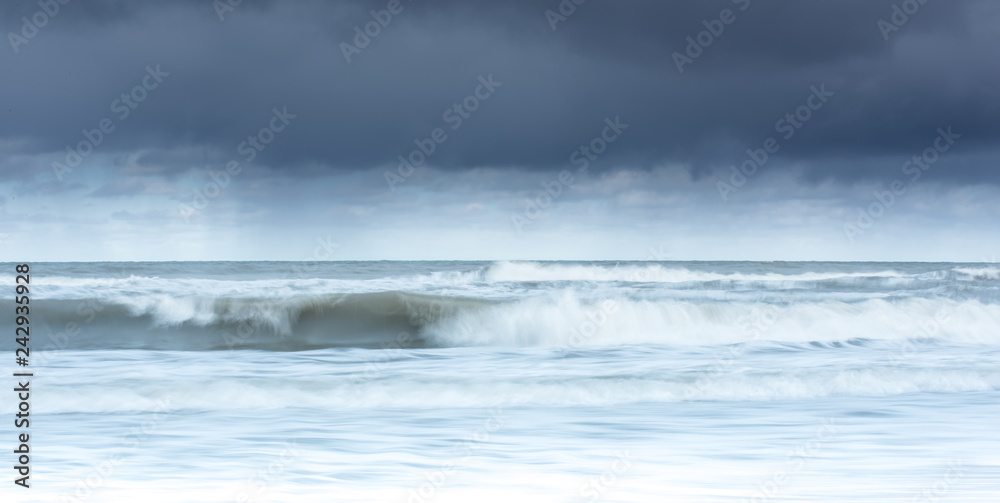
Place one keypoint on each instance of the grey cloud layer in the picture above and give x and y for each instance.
(606, 59)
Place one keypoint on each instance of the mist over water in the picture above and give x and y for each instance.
(562, 381)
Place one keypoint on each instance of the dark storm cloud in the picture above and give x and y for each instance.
(606, 59)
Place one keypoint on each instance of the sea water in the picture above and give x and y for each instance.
(509, 381)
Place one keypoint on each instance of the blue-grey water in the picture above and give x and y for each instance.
(509, 381)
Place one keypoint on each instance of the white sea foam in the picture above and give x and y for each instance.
(979, 273)
(563, 318)
(566, 321)
(697, 369)
(534, 271)
(533, 304)
(393, 390)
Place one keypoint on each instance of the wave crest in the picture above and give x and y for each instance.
(561, 318)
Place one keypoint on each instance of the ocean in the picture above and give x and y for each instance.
(508, 381)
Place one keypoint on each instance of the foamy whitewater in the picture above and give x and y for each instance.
(418, 382)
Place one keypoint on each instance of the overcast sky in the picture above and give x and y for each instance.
(197, 130)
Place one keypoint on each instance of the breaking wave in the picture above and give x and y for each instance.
(562, 318)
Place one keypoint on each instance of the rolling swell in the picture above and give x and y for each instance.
(561, 318)
(204, 323)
